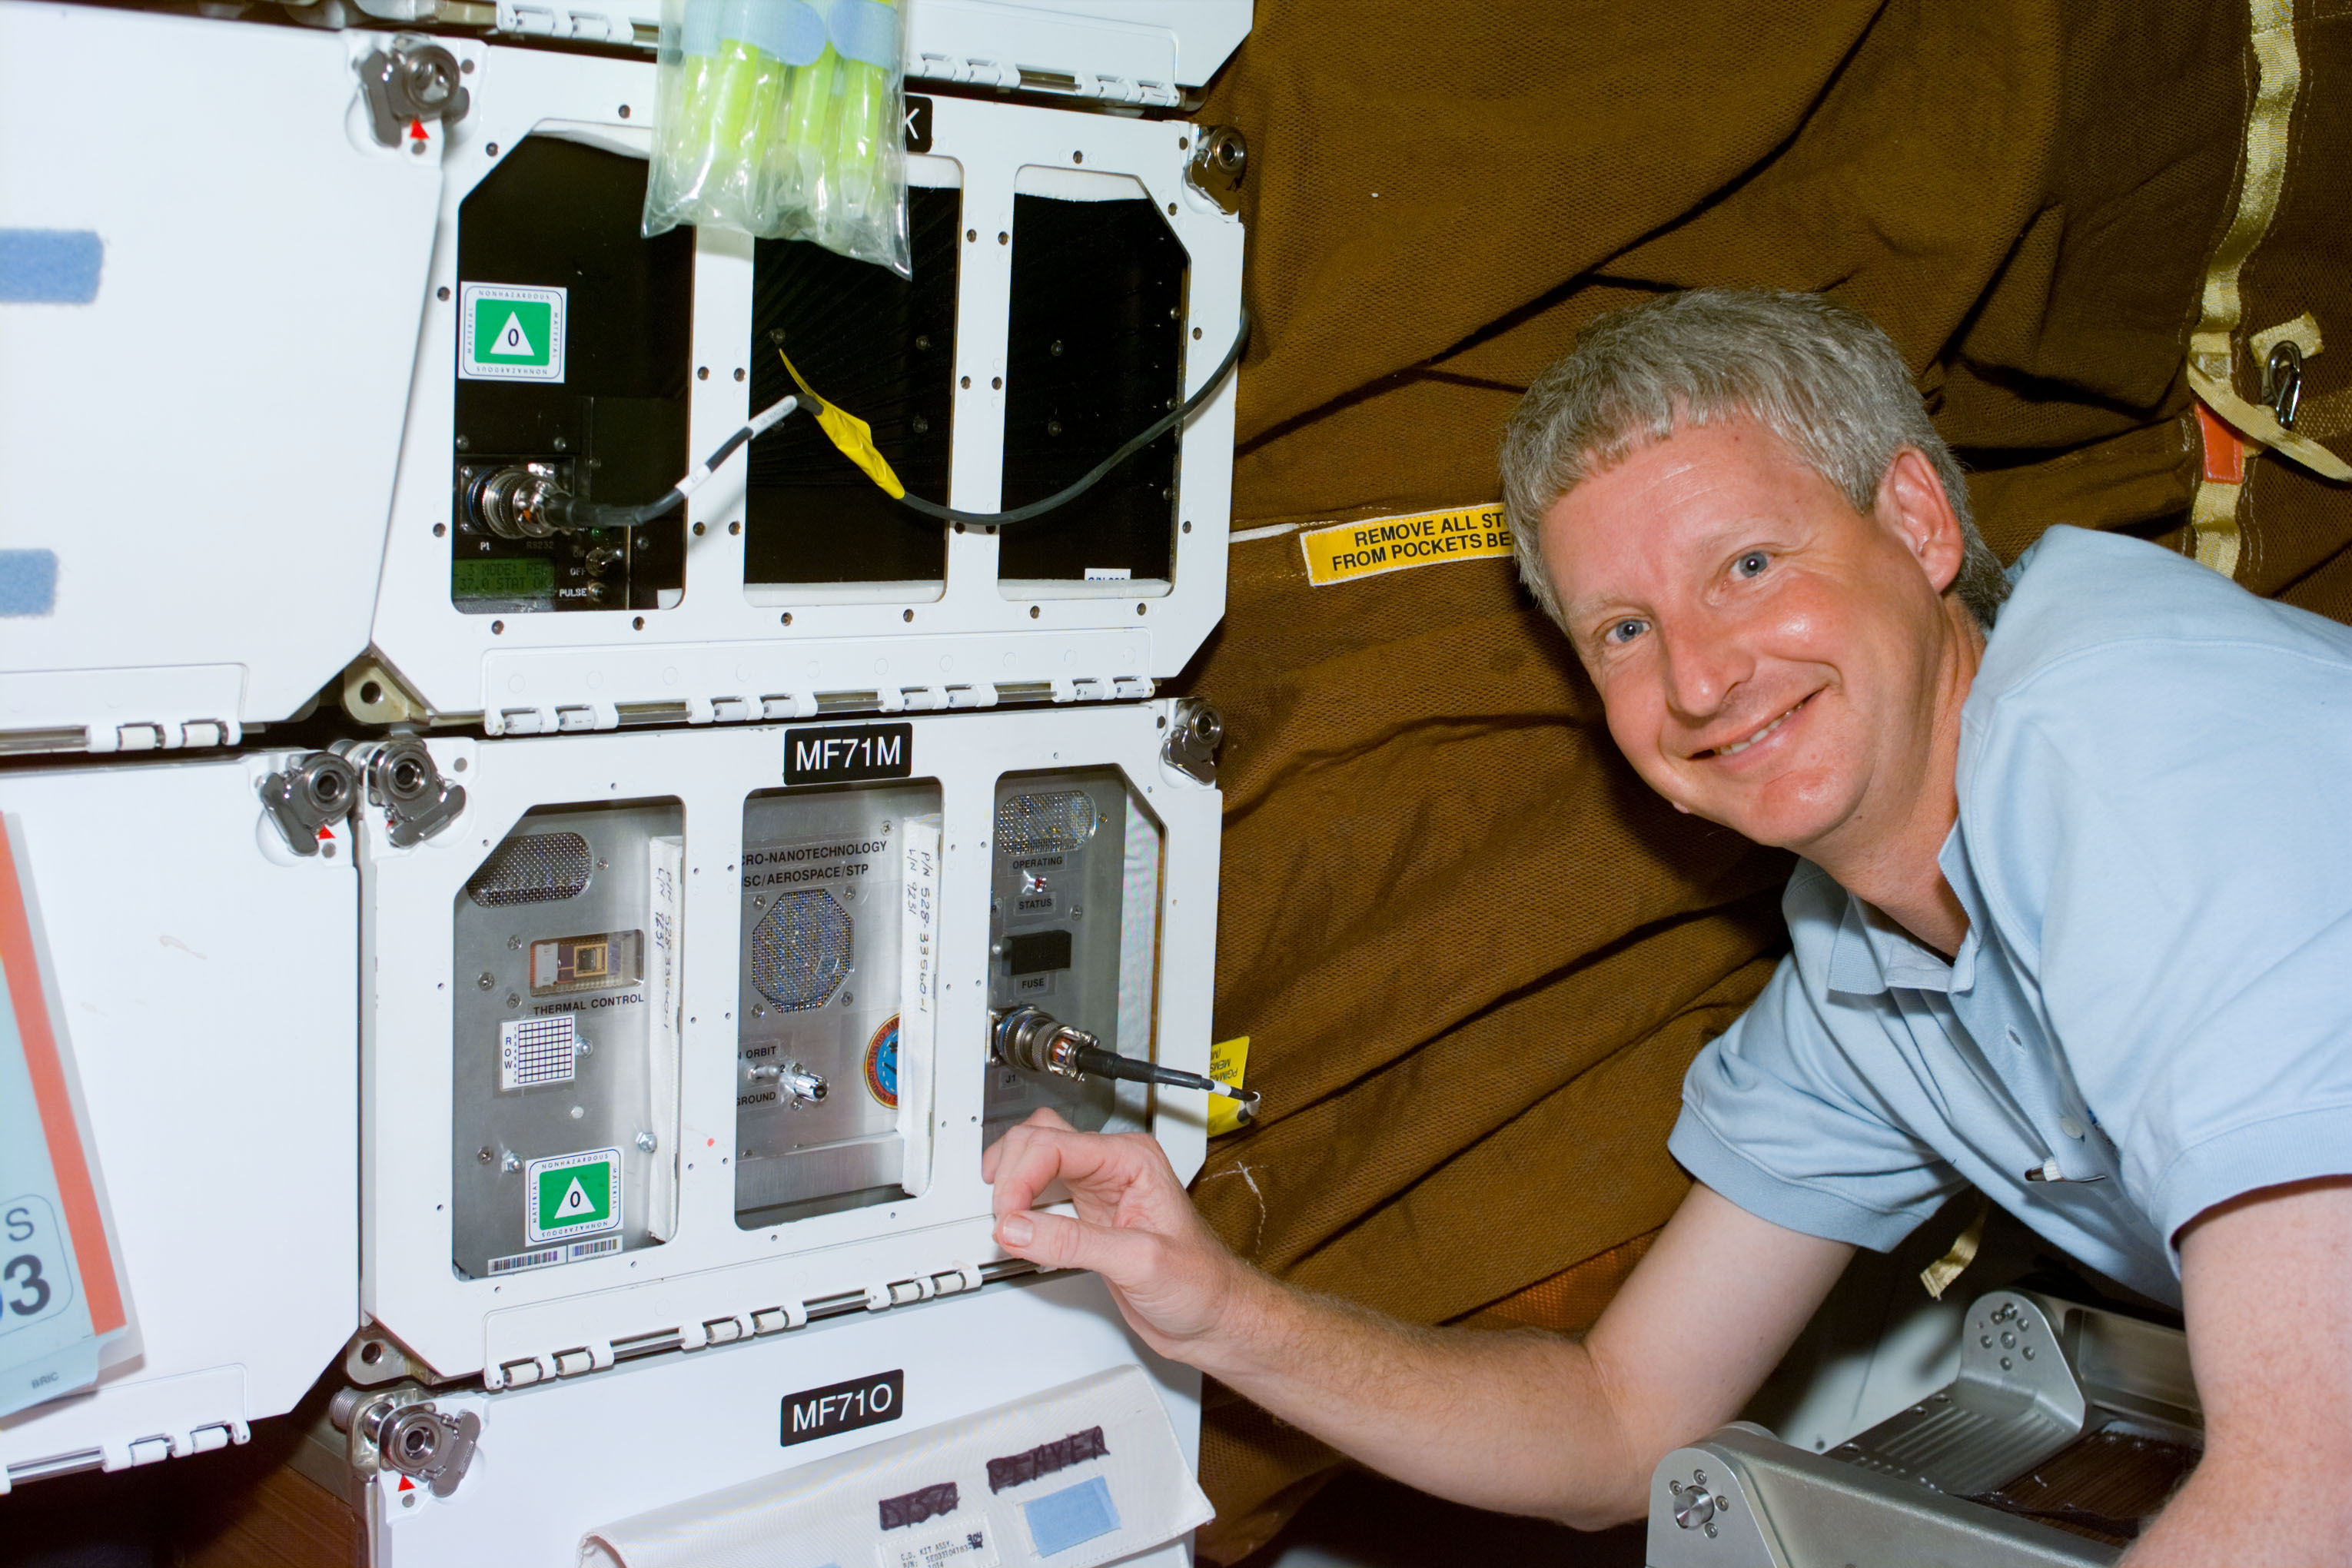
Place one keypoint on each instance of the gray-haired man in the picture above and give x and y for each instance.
(2073, 925)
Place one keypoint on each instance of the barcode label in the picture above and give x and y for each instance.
(543, 1256)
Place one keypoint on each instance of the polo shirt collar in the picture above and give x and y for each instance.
(1872, 953)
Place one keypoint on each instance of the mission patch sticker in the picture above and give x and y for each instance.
(572, 1194)
(509, 333)
(882, 1064)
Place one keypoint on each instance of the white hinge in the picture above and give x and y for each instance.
(740, 708)
(583, 24)
(758, 1322)
(984, 72)
(146, 735)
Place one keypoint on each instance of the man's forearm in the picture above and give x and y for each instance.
(1517, 1422)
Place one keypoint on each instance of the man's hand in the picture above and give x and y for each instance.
(1173, 1280)
(1527, 1422)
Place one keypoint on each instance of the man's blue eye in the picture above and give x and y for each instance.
(1752, 565)
(1624, 631)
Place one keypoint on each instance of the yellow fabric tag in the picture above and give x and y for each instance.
(851, 434)
(1343, 551)
(1227, 1062)
(1938, 1276)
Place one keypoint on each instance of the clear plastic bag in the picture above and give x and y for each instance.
(782, 118)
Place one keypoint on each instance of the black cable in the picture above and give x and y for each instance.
(567, 512)
(1111, 1064)
(1093, 476)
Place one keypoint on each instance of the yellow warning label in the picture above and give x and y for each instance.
(1227, 1062)
(1342, 552)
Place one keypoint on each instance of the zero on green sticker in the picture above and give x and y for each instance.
(510, 333)
(573, 1195)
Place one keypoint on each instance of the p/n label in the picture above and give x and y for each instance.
(814, 1413)
(572, 1194)
(506, 331)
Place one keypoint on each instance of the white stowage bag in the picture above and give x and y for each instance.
(1072, 1477)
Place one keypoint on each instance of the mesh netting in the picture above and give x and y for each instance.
(803, 950)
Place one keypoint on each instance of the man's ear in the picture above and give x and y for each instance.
(1912, 502)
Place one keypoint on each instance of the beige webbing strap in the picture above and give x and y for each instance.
(1938, 1276)
(2214, 515)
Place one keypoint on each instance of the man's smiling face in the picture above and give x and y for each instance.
(1769, 656)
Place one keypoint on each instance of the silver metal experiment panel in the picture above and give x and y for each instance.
(837, 887)
(774, 1207)
(565, 1051)
(1072, 920)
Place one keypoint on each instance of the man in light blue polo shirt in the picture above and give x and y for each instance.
(2074, 924)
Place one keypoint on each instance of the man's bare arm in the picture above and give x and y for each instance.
(1524, 1423)
(2266, 1280)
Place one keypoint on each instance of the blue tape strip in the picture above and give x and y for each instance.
(866, 31)
(28, 582)
(1071, 1517)
(788, 30)
(49, 265)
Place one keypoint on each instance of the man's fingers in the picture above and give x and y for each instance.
(994, 1155)
(1034, 1155)
(1056, 1241)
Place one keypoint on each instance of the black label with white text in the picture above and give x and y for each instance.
(849, 753)
(816, 1413)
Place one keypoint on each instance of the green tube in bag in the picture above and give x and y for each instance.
(732, 83)
(867, 34)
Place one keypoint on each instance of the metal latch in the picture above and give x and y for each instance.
(1220, 158)
(410, 82)
(401, 1430)
(2282, 383)
(1194, 736)
(311, 796)
(404, 780)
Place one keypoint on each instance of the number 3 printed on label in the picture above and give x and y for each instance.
(23, 1272)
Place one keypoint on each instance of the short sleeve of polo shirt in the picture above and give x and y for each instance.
(2159, 808)
(1778, 1117)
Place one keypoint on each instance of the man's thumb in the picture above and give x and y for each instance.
(1057, 1241)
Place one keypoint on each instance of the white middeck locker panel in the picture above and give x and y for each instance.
(557, 1460)
(1126, 51)
(441, 1148)
(205, 445)
(1131, 51)
(208, 988)
(727, 652)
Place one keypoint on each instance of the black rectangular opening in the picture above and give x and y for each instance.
(882, 347)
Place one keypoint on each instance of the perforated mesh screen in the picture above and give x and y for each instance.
(1050, 822)
(535, 868)
(803, 950)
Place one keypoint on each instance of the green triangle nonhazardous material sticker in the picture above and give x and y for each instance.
(510, 331)
(575, 1195)
(513, 341)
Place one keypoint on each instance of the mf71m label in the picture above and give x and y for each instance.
(849, 753)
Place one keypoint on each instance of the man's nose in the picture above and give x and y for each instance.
(1705, 665)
